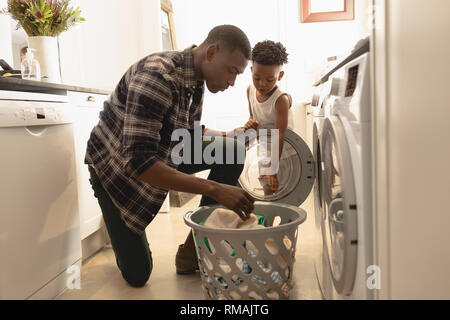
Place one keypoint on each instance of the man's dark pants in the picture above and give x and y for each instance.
(132, 251)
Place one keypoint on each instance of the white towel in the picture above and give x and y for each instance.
(222, 218)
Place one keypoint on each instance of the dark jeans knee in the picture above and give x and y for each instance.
(138, 277)
(132, 251)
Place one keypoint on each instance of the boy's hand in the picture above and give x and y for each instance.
(251, 124)
(272, 181)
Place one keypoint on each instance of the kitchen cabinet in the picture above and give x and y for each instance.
(87, 108)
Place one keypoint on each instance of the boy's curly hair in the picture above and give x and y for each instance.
(269, 53)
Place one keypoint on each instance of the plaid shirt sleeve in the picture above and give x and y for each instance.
(148, 100)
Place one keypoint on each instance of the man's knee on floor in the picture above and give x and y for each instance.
(138, 276)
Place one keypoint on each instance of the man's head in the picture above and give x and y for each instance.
(224, 54)
(268, 58)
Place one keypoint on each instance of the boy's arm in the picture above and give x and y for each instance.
(282, 106)
(249, 106)
(251, 123)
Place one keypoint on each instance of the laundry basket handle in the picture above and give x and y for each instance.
(187, 215)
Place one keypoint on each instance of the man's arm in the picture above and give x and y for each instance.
(149, 98)
(234, 198)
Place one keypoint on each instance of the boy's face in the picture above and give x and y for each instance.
(265, 77)
(221, 68)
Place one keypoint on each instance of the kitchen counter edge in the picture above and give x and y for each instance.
(15, 84)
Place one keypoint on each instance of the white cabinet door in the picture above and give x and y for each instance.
(87, 109)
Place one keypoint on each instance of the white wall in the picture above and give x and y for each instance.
(115, 35)
(5, 36)
(412, 154)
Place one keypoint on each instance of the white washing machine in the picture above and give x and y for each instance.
(299, 171)
(346, 183)
(295, 175)
(319, 108)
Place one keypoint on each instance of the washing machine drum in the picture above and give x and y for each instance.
(295, 174)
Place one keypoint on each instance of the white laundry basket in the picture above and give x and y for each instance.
(242, 264)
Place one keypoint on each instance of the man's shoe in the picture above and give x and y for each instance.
(186, 261)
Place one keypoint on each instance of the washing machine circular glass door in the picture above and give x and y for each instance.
(295, 176)
(339, 206)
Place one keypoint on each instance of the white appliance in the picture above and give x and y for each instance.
(411, 150)
(39, 222)
(87, 107)
(319, 107)
(346, 183)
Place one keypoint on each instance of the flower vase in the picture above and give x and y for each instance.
(46, 53)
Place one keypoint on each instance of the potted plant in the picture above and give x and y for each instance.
(43, 21)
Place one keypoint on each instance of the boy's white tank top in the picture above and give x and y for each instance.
(265, 112)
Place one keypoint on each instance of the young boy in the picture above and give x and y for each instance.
(269, 107)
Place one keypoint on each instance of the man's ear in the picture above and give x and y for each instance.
(211, 52)
(280, 76)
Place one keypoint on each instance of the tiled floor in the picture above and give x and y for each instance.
(101, 279)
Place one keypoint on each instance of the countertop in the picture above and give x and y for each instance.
(17, 84)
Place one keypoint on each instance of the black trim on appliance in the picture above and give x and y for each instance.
(361, 47)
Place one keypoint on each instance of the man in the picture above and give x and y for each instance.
(129, 151)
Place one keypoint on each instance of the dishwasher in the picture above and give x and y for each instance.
(40, 246)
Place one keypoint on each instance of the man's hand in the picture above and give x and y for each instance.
(233, 198)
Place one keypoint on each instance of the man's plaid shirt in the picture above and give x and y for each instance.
(156, 95)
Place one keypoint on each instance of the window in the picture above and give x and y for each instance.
(326, 10)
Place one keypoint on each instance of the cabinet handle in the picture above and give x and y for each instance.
(91, 99)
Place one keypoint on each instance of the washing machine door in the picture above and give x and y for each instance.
(295, 175)
(317, 128)
(339, 206)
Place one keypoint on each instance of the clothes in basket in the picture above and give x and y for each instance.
(224, 218)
